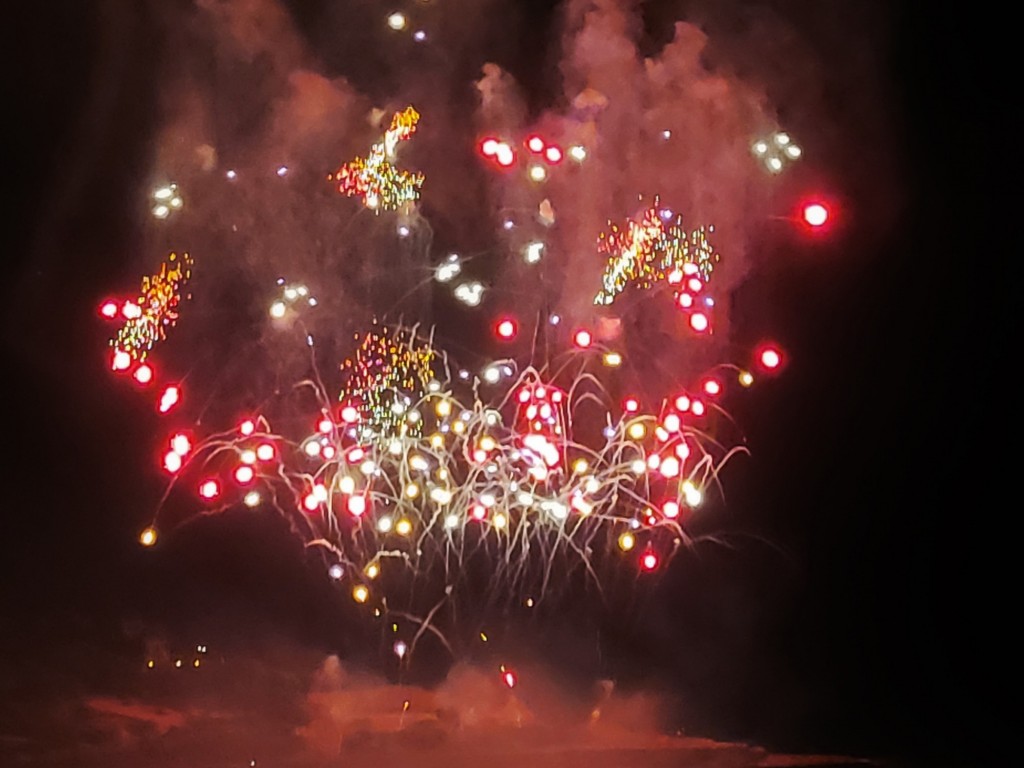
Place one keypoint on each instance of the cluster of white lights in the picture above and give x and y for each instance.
(470, 294)
(290, 294)
(165, 200)
(448, 268)
(776, 151)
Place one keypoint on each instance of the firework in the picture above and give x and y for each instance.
(650, 251)
(147, 319)
(389, 370)
(375, 179)
(402, 500)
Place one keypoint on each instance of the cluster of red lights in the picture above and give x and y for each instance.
(502, 152)
(688, 287)
(121, 362)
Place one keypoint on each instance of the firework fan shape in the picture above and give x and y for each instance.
(147, 319)
(649, 251)
(407, 481)
(375, 179)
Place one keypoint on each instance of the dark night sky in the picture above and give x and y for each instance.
(874, 633)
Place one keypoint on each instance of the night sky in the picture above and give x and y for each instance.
(856, 609)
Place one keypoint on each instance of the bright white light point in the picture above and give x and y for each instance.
(463, 374)
(491, 375)
(309, 340)
(231, 174)
(400, 648)
(774, 164)
(403, 231)
(639, 466)
(385, 524)
(368, 467)
(554, 319)
(290, 293)
(451, 521)
(670, 467)
(277, 310)
(577, 153)
(666, 134)
(782, 139)
(693, 496)
(508, 224)
(312, 448)
(537, 173)
(557, 510)
(164, 193)
(265, 452)
(252, 499)
(161, 211)
(419, 36)
(760, 147)
(532, 252)
(793, 151)
(396, 21)
(335, 571)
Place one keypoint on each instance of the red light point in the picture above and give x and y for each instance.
(816, 215)
(583, 339)
(489, 147)
(535, 144)
(210, 489)
(649, 561)
(143, 374)
(169, 398)
(109, 309)
(770, 358)
(506, 329)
